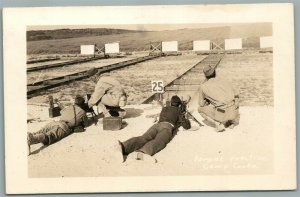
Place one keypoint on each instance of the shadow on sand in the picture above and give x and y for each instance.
(38, 150)
(133, 113)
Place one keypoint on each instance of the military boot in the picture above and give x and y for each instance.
(34, 139)
(122, 113)
(220, 127)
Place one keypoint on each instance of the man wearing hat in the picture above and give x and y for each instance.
(73, 119)
(218, 101)
(109, 96)
(159, 135)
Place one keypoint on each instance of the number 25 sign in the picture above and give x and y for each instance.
(157, 86)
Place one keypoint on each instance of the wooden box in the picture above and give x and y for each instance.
(54, 112)
(112, 123)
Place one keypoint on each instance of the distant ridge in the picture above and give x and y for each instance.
(35, 35)
(65, 41)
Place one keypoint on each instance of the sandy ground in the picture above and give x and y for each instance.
(246, 149)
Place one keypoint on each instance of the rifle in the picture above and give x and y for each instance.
(193, 118)
(183, 108)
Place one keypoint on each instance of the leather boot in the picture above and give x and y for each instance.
(220, 127)
(34, 139)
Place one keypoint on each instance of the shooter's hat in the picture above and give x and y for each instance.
(208, 71)
(175, 101)
(79, 100)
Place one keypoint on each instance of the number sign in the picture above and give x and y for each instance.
(157, 86)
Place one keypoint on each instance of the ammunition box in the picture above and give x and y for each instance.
(112, 123)
(54, 112)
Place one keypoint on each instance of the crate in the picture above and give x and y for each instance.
(112, 123)
(54, 112)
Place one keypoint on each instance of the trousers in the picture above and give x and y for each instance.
(111, 111)
(53, 132)
(223, 116)
(154, 140)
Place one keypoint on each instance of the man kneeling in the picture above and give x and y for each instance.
(109, 96)
(218, 101)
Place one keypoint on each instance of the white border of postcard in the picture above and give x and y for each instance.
(14, 26)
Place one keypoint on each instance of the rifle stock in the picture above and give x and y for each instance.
(200, 124)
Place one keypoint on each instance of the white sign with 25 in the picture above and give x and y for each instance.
(157, 86)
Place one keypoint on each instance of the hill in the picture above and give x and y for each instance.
(137, 41)
(35, 35)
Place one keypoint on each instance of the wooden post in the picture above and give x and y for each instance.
(53, 111)
(51, 103)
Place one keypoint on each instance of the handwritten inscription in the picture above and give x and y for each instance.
(230, 162)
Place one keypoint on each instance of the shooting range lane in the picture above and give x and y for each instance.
(40, 83)
(35, 62)
(251, 73)
(189, 82)
(246, 149)
(135, 79)
(62, 64)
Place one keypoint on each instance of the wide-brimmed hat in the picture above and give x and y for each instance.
(208, 71)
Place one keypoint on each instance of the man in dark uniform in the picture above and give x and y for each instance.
(73, 119)
(160, 134)
(218, 101)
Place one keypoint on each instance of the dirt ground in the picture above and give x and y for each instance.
(33, 77)
(245, 149)
(135, 79)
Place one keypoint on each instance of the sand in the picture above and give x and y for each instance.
(246, 149)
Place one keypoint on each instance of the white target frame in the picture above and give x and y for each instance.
(112, 47)
(87, 49)
(201, 45)
(266, 41)
(169, 46)
(234, 43)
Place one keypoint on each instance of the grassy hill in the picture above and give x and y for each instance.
(35, 35)
(137, 41)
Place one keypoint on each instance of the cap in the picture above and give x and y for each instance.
(208, 70)
(175, 101)
(79, 100)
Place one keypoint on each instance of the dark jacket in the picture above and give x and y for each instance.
(174, 116)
